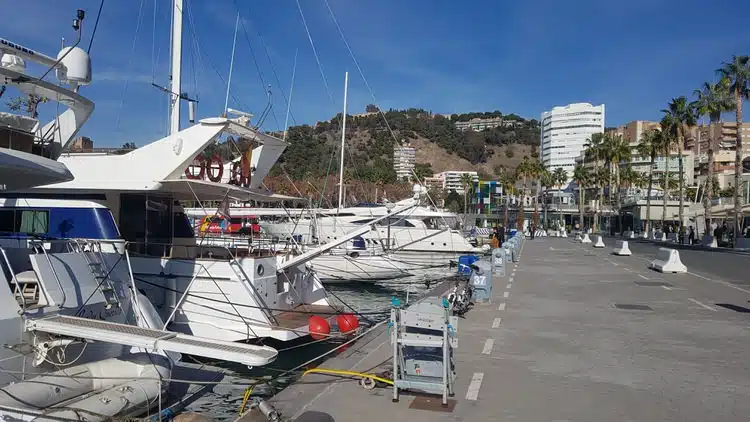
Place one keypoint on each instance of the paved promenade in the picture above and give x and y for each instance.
(555, 345)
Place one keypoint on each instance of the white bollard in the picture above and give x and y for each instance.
(599, 242)
(564, 233)
(663, 237)
(585, 238)
(668, 261)
(622, 248)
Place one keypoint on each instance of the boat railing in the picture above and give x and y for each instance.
(38, 245)
(17, 290)
(206, 248)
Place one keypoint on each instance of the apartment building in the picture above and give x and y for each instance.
(404, 160)
(478, 125)
(565, 131)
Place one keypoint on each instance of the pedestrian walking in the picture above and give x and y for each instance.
(691, 236)
(533, 230)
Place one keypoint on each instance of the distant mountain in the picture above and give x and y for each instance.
(313, 150)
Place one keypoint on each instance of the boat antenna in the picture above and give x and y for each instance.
(289, 103)
(231, 63)
(77, 26)
(266, 110)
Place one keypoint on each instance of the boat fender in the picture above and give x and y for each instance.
(214, 168)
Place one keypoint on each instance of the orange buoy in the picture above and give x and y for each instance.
(347, 323)
(318, 327)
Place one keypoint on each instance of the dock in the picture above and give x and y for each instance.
(572, 333)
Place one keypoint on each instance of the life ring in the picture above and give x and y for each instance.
(197, 162)
(209, 166)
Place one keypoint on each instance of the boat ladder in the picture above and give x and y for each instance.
(147, 338)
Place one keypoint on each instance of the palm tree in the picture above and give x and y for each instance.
(650, 146)
(683, 118)
(559, 177)
(594, 151)
(546, 181)
(507, 181)
(616, 150)
(581, 177)
(537, 168)
(467, 181)
(524, 172)
(738, 73)
(713, 99)
(668, 130)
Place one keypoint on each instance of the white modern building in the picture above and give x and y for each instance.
(404, 158)
(452, 179)
(565, 131)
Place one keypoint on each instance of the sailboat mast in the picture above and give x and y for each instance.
(175, 87)
(343, 136)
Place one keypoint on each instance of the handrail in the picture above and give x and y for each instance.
(15, 281)
(132, 283)
(39, 244)
(180, 302)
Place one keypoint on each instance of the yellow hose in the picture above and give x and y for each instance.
(245, 399)
(348, 373)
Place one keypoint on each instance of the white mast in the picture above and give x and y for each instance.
(175, 87)
(343, 136)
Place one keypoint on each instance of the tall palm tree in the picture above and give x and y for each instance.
(546, 181)
(668, 130)
(713, 99)
(650, 146)
(524, 172)
(738, 73)
(594, 150)
(559, 177)
(683, 117)
(507, 181)
(537, 169)
(616, 151)
(582, 177)
(467, 181)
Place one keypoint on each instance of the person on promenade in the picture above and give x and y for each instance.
(691, 236)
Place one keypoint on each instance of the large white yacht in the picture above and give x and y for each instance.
(421, 237)
(80, 342)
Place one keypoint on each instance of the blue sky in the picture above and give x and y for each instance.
(445, 56)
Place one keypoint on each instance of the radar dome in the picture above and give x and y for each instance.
(77, 64)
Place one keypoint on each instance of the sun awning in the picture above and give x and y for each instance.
(205, 190)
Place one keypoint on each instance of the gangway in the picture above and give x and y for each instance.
(129, 335)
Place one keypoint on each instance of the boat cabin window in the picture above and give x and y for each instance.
(151, 220)
(63, 222)
(365, 221)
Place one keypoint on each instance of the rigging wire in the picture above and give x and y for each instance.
(96, 25)
(273, 68)
(130, 66)
(255, 61)
(315, 52)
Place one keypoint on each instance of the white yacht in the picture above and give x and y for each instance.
(419, 238)
(80, 342)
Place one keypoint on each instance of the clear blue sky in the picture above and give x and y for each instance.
(445, 56)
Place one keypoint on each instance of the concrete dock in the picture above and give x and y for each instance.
(573, 333)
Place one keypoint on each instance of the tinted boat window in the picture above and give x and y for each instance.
(6, 221)
(82, 223)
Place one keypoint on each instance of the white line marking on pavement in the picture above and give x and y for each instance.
(703, 305)
(721, 282)
(643, 276)
(496, 322)
(509, 285)
(487, 349)
(506, 294)
(666, 287)
(511, 279)
(626, 269)
(476, 383)
(501, 307)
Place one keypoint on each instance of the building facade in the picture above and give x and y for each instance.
(477, 124)
(565, 131)
(452, 179)
(404, 159)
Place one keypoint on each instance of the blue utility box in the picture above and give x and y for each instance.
(464, 263)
